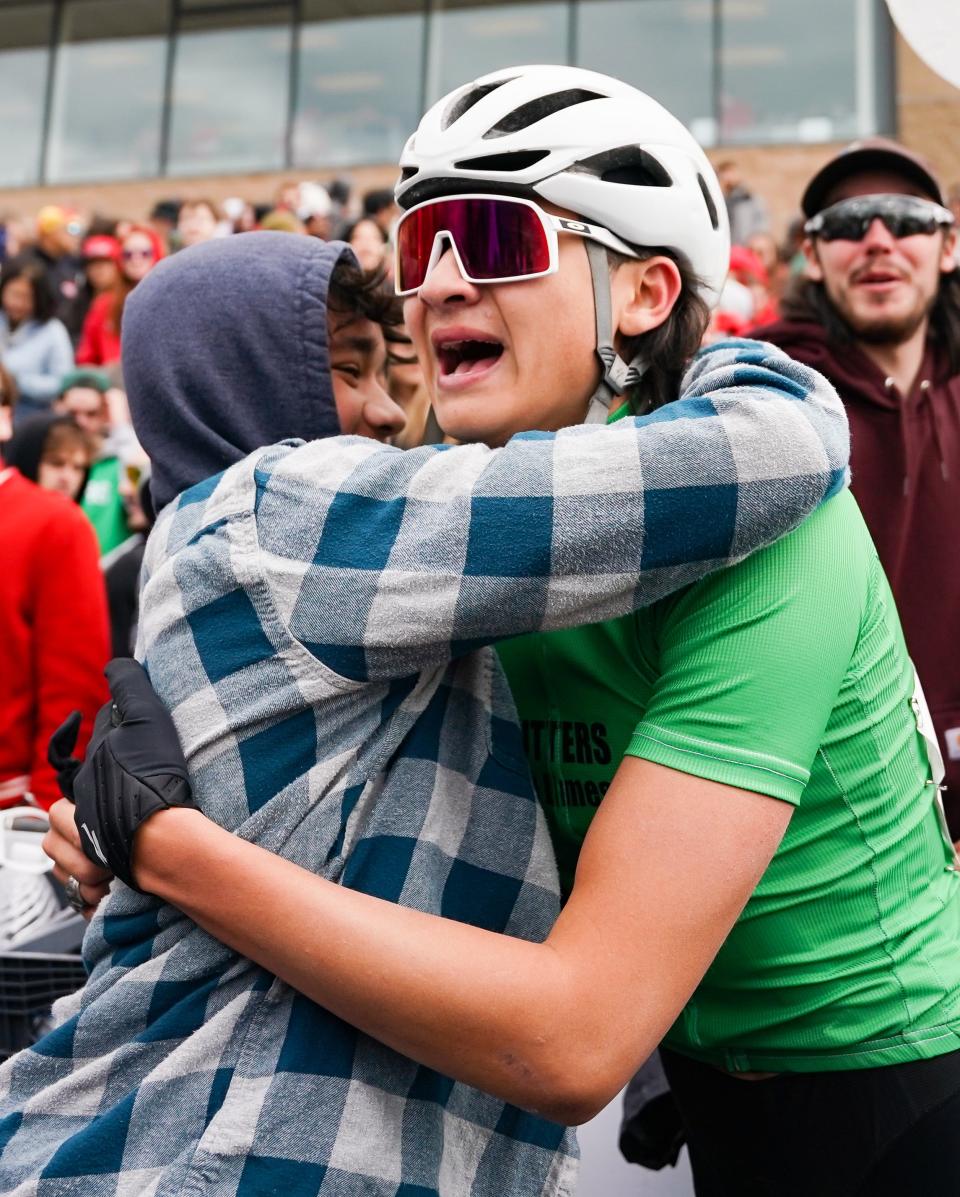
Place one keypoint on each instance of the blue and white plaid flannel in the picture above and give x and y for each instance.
(314, 618)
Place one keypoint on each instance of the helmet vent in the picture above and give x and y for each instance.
(519, 160)
(629, 165)
(708, 200)
(537, 110)
(408, 172)
(463, 103)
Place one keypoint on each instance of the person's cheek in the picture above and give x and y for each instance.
(347, 404)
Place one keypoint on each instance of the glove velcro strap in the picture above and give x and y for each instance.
(122, 802)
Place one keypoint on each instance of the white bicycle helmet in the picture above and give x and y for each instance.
(588, 143)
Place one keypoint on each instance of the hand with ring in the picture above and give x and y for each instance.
(75, 898)
(84, 882)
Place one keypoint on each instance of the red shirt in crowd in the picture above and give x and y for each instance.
(54, 639)
(100, 339)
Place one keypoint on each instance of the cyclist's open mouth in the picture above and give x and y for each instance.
(465, 355)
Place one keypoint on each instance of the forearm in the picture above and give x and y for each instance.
(496, 1012)
(558, 1027)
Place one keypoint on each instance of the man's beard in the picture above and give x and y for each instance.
(889, 330)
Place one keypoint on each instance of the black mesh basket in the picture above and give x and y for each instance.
(31, 981)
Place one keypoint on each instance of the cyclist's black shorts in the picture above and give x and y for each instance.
(875, 1132)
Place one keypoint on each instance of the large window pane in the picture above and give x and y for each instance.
(358, 93)
(470, 39)
(788, 70)
(231, 92)
(108, 91)
(664, 47)
(24, 37)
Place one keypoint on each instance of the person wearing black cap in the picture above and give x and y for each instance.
(878, 312)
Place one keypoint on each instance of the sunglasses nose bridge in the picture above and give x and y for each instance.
(443, 241)
(877, 235)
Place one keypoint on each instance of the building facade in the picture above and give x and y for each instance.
(111, 104)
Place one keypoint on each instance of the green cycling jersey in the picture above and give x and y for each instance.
(786, 675)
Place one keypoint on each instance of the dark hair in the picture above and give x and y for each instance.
(669, 348)
(807, 300)
(377, 201)
(347, 232)
(166, 209)
(44, 300)
(353, 291)
(339, 191)
(101, 226)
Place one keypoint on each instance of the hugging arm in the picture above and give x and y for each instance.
(557, 1027)
(467, 545)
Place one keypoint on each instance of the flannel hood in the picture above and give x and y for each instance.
(225, 351)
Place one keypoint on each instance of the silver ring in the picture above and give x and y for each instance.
(74, 897)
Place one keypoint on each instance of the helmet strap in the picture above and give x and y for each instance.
(617, 375)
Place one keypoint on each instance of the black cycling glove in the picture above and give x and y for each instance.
(134, 767)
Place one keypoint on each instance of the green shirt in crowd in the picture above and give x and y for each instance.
(786, 675)
(103, 505)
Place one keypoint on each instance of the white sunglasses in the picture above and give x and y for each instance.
(493, 238)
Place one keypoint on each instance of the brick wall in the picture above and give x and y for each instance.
(928, 112)
(134, 200)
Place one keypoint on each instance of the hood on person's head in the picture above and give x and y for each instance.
(24, 450)
(225, 351)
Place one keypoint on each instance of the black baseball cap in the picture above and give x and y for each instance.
(874, 153)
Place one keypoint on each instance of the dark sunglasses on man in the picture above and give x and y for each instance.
(902, 216)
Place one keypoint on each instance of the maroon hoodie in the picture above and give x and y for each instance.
(905, 462)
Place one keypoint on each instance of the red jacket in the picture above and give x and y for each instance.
(54, 638)
(905, 461)
(99, 340)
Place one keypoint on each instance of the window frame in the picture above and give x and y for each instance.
(874, 59)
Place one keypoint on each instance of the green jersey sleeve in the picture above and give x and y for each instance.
(751, 660)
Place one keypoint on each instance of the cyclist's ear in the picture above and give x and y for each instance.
(644, 293)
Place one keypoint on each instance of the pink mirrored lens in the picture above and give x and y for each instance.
(495, 238)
